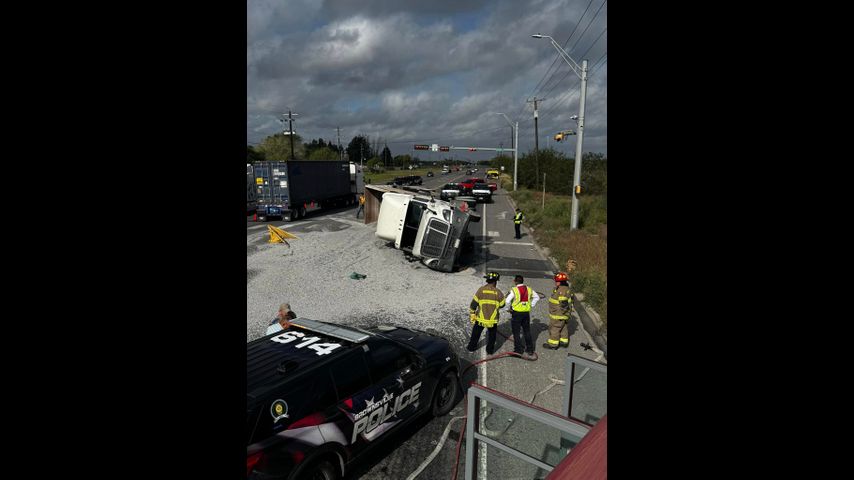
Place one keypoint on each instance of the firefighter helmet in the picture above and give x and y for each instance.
(561, 277)
(492, 276)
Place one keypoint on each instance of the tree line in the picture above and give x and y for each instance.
(360, 149)
(558, 170)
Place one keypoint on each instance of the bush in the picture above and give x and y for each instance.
(592, 212)
(592, 285)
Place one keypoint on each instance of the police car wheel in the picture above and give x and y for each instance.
(322, 471)
(446, 393)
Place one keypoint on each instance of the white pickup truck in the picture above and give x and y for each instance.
(434, 231)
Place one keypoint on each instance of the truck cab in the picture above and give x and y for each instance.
(432, 230)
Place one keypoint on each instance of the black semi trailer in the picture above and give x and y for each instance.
(289, 190)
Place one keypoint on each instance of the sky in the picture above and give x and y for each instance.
(423, 72)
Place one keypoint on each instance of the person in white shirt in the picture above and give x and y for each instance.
(282, 320)
(520, 301)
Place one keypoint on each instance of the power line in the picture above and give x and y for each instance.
(588, 25)
(557, 56)
(554, 75)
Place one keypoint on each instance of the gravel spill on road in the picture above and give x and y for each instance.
(313, 275)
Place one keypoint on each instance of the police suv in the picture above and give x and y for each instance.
(321, 395)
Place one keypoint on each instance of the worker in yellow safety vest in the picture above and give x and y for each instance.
(521, 300)
(517, 222)
(483, 312)
(560, 307)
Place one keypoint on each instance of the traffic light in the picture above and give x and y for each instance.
(422, 147)
(578, 189)
(444, 149)
(558, 137)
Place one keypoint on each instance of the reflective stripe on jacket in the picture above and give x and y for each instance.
(518, 304)
(560, 303)
(518, 218)
(487, 300)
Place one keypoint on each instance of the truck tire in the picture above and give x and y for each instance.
(301, 212)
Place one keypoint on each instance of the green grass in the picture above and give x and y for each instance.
(587, 245)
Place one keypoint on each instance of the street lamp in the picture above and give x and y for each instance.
(515, 148)
(581, 71)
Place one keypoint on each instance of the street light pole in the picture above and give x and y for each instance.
(515, 148)
(581, 72)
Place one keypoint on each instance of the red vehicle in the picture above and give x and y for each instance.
(469, 183)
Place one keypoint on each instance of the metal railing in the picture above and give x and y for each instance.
(571, 429)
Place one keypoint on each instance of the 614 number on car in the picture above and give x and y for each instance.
(319, 348)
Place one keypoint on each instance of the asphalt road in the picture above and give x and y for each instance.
(496, 249)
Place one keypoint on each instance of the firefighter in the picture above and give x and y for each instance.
(517, 222)
(560, 307)
(483, 312)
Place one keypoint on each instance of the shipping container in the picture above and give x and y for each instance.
(289, 190)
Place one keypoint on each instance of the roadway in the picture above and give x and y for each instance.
(496, 249)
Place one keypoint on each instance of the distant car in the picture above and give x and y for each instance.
(469, 172)
(429, 174)
(482, 192)
(450, 191)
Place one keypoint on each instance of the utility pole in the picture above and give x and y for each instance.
(536, 130)
(544, 190)
(581, 72)
(340, 152)
(536, 138)
(291, 116)
(576, 178)
(516, 157)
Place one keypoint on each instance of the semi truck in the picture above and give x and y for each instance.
(291, 190)
(433, 231)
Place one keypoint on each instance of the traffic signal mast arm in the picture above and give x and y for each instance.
(486, 149)
(559, 135)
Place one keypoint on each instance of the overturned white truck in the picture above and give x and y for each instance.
(434, 231)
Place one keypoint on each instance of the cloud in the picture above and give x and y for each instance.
(410, 70)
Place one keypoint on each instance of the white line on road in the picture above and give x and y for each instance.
(493, 233)
(503, 243)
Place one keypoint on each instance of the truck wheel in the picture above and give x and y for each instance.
(301, 212)
(446, 393)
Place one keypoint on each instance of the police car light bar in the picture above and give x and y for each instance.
(330, 330)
